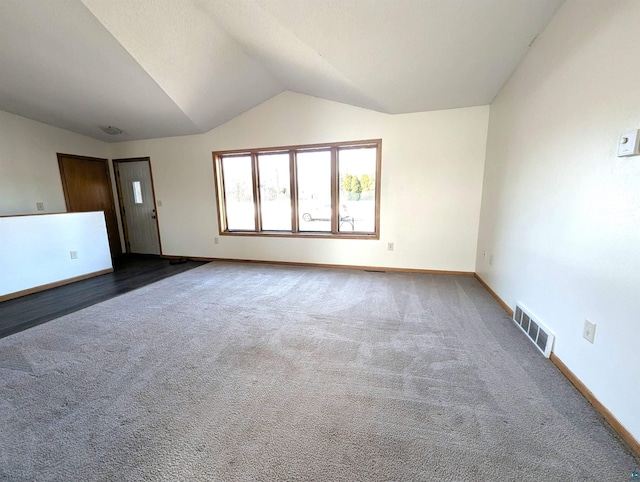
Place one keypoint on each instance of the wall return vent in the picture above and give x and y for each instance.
(537, 332)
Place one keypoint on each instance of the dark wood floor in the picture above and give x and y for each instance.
(130, 272)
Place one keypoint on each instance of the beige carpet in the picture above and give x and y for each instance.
(256, 372)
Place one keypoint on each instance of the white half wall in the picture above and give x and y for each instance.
(432, 165)
(560, 211)
(35, 250)
(29, 170)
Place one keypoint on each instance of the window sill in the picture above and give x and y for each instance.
(310, 234)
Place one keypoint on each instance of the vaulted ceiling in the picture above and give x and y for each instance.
(158, 68)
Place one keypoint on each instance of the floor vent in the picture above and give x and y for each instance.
(537, 332)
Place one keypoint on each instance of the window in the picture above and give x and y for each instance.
(137, 192)
(328, 190)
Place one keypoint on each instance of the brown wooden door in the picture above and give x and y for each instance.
(87, 187)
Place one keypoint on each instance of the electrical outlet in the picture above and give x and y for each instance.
(390, 246)
(74, 254)
(215, 241)
(589, 331)
(40, 206)
(159, 203)
(490, 260)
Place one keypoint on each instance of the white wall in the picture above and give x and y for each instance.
(432, 166)
(560, 212)
(29, 166)
(35, 250)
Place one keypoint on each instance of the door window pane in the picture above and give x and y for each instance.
(275, 187)
(238, 192)
(357, 176)
(137, 192)
(314, 190)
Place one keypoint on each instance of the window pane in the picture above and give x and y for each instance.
(314, 190)
(137, 192)
(357, 171)
(275, 187)
(238, 192)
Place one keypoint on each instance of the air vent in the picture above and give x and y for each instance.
(537, 332)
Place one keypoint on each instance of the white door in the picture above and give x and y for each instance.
(139, 207)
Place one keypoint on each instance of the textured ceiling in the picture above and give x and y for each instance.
(158, 68)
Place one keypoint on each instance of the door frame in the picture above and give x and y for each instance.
(116, 250)
(123, 214)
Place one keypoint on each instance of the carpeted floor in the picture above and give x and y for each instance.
(255, 372)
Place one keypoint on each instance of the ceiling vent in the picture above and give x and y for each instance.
(537, 332)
